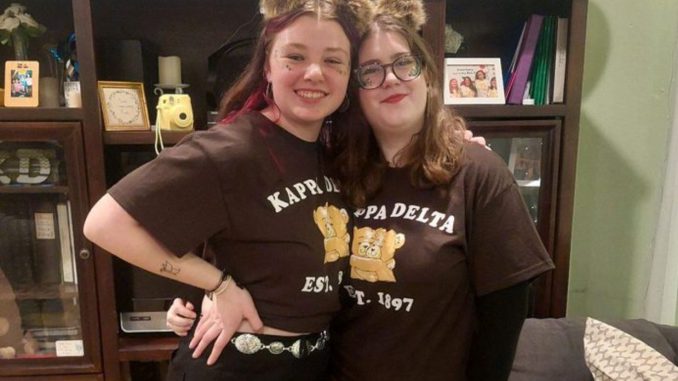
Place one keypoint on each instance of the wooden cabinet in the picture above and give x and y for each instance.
(47, 283)
(531, 150)
(538, 142)
(489, 30)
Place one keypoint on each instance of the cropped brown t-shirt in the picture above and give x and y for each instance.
(257, 194)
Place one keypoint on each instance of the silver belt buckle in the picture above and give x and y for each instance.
(249, 344)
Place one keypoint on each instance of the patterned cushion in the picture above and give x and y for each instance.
(612, 354)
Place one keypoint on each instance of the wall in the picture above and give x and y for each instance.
(626, 118)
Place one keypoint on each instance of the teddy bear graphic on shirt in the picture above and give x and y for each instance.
(373, 252)
(332, 224)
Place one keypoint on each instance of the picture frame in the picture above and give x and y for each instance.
(464, 83)
(22, 83)
(123, 105)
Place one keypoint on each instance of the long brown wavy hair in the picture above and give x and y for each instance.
(433, 155)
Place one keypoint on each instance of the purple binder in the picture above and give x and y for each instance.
(525, 58)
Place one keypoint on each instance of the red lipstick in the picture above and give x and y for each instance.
(395, 98)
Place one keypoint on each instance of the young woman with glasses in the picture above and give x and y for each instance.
(443, 245)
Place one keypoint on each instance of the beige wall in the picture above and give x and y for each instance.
(629, 81)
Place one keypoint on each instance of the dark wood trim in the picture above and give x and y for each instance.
(432, 31)
(141, 137)
(77, 177)
(89, 377)
(568, 162)
(146, 349)
(10, 189)
(96, 176)
(18, 114)
(512, 112)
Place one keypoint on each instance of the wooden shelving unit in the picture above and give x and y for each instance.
(7, 189)
(146, 348)
(513, 112)
(19, 114)
(141, 137)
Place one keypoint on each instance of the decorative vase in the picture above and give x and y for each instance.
(20, 43)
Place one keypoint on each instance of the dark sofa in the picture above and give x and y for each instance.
(553, 349)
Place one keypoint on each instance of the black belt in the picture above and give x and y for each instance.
(249, 343)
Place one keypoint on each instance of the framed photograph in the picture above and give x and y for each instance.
(123, 105)
(473, 81)
(21, 83)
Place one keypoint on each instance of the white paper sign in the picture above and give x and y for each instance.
(69, 348)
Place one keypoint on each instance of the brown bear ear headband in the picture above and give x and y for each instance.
(408, 12)
(361, 11)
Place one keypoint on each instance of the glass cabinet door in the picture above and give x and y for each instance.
(523, 155)
(529, 149)
(47, 308)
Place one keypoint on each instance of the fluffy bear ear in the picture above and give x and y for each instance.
(409, 12)
(274, 8)
(363, 12)
(360, 11)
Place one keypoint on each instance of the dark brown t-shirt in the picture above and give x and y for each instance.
(257, 195)
(419, 257)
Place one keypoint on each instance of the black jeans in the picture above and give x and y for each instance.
(260, 366)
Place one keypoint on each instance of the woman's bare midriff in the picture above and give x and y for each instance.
(245, 325)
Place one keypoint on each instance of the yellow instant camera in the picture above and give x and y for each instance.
(174, 112)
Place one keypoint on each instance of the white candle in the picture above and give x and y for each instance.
(169, 70)
(72, 94)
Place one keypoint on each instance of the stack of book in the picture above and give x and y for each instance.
(44, 340)
(37, 242)
(537, 72)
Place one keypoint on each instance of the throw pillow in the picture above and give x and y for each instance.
(612, 354)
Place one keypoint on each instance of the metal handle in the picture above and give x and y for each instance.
(84, 254)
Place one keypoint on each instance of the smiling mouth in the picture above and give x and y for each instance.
(394, 98)
(308, 94)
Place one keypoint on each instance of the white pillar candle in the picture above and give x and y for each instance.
(72, 94)
(169, 70)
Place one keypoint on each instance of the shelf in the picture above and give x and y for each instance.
(529, 183)
(141, 137)
(57, 291)
(510, 111)
(144, 348)
(33, 189)
(29, 114)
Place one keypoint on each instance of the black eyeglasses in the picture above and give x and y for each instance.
(405, 68)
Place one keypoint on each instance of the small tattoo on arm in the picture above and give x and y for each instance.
(167, 267)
